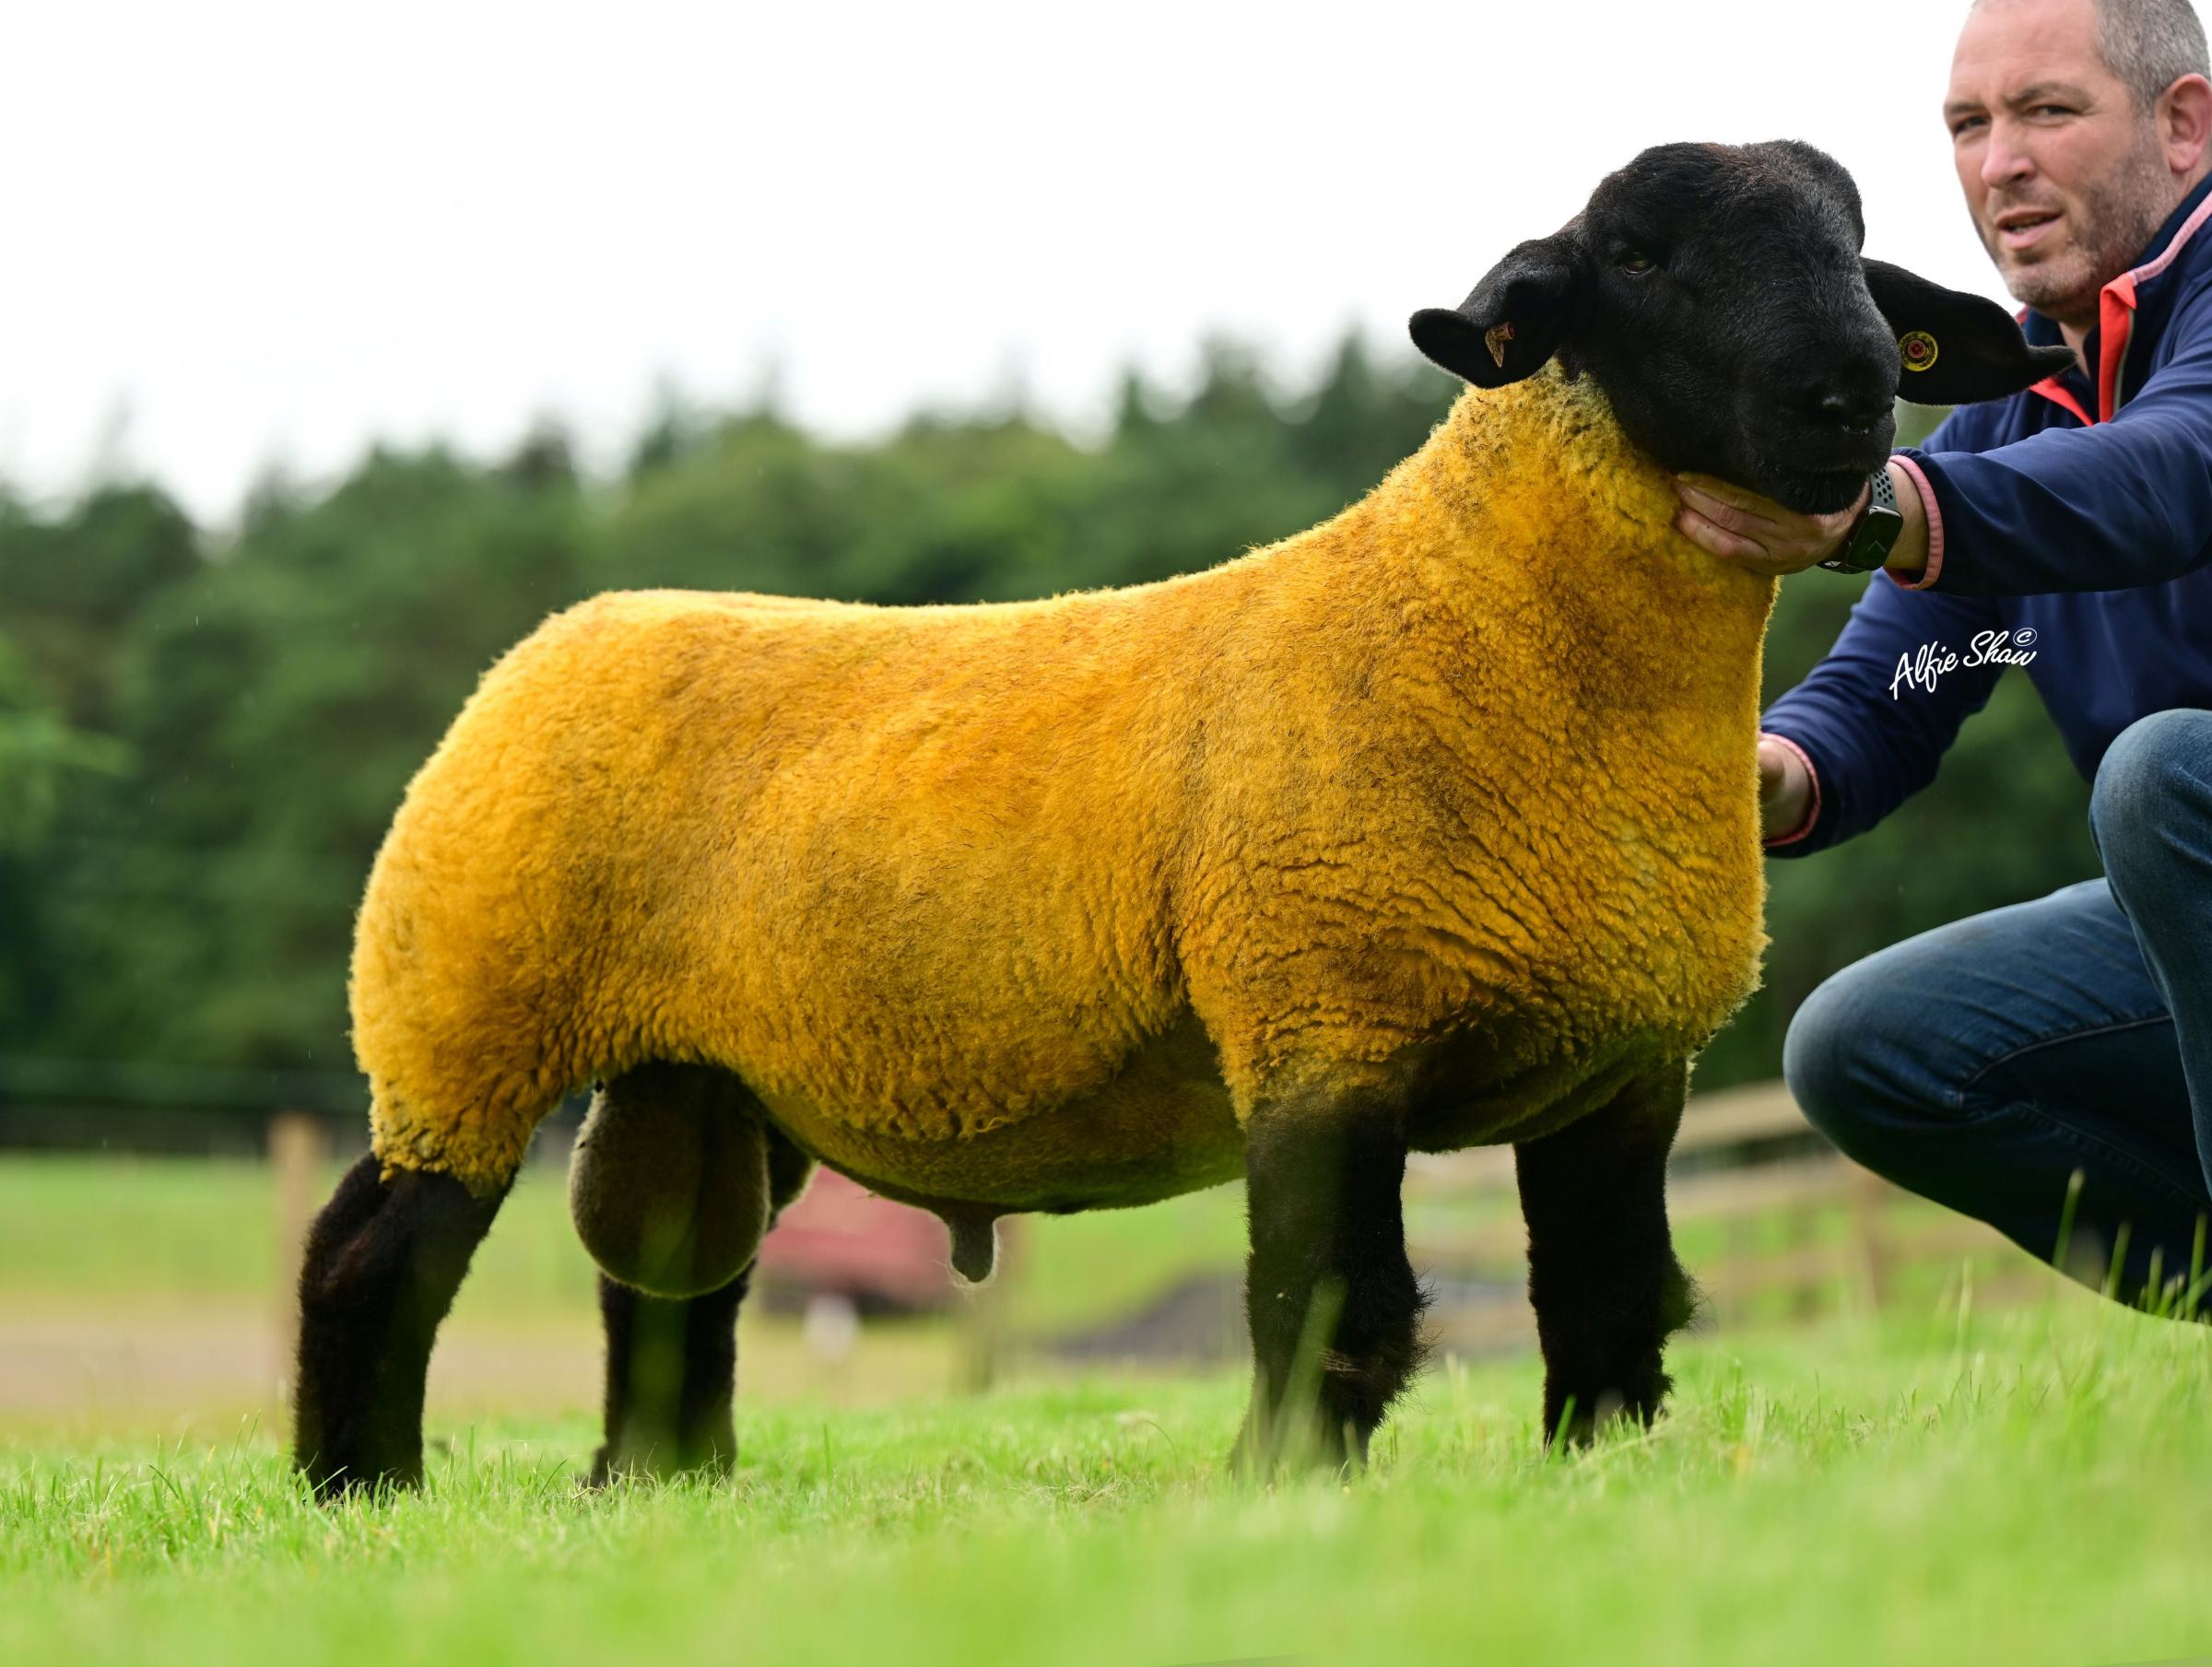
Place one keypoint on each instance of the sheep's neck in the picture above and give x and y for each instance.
(1528, 520)
(1578, 686)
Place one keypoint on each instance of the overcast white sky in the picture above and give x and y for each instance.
(270, 234)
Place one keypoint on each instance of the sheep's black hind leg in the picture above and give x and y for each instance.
(671, 1365)
(1332, 1302)
(1602, 1272)
(382, 1263)
(671, 1377)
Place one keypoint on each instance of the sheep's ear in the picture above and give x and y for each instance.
(1513, 320)
(1957, 348)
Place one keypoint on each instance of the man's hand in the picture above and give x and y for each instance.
(1757, 533)
(1785, 789)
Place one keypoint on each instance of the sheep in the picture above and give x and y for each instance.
(1433, 825)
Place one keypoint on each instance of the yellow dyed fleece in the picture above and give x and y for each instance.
(1029, 904)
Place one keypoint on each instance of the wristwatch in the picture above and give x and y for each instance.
(1867, 546)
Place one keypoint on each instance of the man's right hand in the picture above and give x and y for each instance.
(1785, 788)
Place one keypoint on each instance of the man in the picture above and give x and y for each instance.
(1985, 1063)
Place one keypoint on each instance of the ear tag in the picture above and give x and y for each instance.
(1495, 340)
(1917, 348)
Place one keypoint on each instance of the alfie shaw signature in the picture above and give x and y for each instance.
(1931, 660)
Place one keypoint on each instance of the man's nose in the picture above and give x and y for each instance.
(2003, 161)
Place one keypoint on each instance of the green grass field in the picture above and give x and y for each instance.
(2030, 1488)
(1941, 1485)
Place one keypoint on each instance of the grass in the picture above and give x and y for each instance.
(1941, 1484)
(2025, 1487)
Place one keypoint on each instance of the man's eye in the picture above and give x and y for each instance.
(2054, 109)
(1966, 125)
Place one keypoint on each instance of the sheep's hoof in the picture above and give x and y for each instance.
(610, 1467)
(1287, 1445)
(335, 1487)
(1576, 1420)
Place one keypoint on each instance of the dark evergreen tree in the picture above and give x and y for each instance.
(201, 747)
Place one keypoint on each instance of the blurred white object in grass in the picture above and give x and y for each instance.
(831, 1327)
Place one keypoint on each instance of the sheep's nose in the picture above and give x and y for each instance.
(1854, 410)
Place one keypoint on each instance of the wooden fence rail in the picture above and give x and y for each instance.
(300, 1154)
(1746, 1160)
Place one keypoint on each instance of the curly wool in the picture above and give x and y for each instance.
(1029, 904)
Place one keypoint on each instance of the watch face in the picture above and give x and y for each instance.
(1881, 529)
(1870, 545)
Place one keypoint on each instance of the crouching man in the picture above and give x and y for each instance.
(1989, 1062)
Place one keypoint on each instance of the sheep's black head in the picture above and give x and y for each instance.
(1717, 295)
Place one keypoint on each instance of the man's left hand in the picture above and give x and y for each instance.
(1757, 533)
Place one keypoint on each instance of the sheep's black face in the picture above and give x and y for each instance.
(1718, 295)
(1731, 325)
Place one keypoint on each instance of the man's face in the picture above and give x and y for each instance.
(2066, 180)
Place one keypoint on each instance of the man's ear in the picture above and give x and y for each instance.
(1957, 348)
(1513, 320)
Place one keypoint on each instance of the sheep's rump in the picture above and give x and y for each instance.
(905, 871)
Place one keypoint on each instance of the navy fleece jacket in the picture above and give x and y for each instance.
(2070, 530)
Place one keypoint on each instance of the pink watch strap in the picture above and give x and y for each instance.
(1935, 514)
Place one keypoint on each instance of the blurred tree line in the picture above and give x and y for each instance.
(202, 741)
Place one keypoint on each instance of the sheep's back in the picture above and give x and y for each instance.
(906, 867)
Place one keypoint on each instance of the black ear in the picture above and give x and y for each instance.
(1957, 348)
(1513, 320)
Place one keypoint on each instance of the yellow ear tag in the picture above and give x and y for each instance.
(1495, 341)
(1917, 348)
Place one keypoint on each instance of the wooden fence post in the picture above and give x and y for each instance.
(985, 1320)
(299, 1157)
(1739, 1266)
(1867, 1190)
(1799, 1243)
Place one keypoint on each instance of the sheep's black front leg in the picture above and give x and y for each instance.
(382, 1263)
(1334, 1306)
(1602, 1270)
(671, 1377)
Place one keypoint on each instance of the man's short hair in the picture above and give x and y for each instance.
(2150, 45)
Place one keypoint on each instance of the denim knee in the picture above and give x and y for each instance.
(2153, 771)
(1826, 1053)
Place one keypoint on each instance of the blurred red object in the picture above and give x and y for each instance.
(842, 1240)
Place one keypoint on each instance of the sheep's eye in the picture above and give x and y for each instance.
(1636, 265)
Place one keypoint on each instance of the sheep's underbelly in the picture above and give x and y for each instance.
(1479, 1106)
(1158, 1120)
(1160, 1125)
(1164, 1125)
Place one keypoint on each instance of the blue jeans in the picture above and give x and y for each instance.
(1983, 1063)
